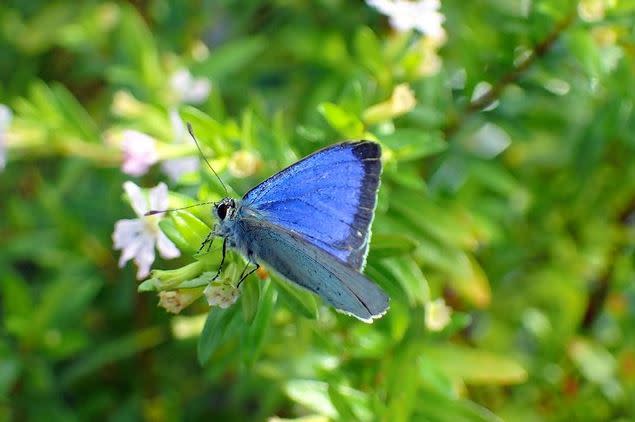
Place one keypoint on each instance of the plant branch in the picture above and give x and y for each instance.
(494, 93)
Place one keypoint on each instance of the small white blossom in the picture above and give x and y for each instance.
(136, 238)
(189, 89)
(422, 15)
(177, 167)
(139, 152)
(5, 120)
(437, 315)
(222, 295)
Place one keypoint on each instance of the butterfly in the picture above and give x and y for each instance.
(311, 224)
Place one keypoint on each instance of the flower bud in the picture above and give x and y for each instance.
(401, 102)
(171, 279)
(192, 230)
(125, 104)
(243, 163)
(437, 315)
(174, 301)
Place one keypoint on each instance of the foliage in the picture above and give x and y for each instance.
(508, 191)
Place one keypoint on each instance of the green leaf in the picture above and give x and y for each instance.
(413, 144)
(75, 115)
(475, 366)
(230, 58)
(10, 369)
(192, 230)
(313, 395)
(582, 45)
(342, 121)
(14, 287)
(369, 53)
(218, 328)
(299, 300)
(410, 277)
(258, 329)
(168, 227)
(209, 132)
(450, 409)
(351, 404)
(387, 245)
(116, 350)
(250, 297)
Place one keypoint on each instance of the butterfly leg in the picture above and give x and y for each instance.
(222, 260)
(243, 276)
(208, 241)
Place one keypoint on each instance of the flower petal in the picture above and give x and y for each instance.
(130, 250)
(167, 249)
(137, 198)
(177, 167)
(158, 197)
(178, 127)
(126, 231)
(139, 152)
(145, 256)
(6, 115)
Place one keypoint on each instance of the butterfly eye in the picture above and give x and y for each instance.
(221, 211)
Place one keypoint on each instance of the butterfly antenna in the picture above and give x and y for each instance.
(153, 212)
(191, 131)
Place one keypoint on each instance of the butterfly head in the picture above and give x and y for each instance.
(225, 208)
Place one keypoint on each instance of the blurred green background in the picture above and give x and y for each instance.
(504, 234)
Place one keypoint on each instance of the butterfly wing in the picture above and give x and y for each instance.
(311, 267)
(328, 197)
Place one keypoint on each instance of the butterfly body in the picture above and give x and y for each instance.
(311, 223)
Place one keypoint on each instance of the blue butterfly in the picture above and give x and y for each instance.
(311, 223)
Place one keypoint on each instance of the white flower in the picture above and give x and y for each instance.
(139, 152)
(177, 167)
(137, 237)
(421, 15)
(437, 315)
(5, 120)
(222, 295)
(188, 88)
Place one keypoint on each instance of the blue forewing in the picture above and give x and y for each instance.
(328, 197)
(311, 223)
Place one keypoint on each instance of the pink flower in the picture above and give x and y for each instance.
(136, 238)
(139, 152)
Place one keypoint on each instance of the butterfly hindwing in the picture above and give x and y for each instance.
(301, 262)
(328, 197)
